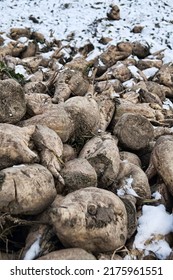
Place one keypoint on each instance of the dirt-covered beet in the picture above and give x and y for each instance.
(77, 174)
(12, 101)
(26, 189)
(92, 219)
(103, 154)
(161, 161)
(68, 254)
(134, 131)
(14, 145)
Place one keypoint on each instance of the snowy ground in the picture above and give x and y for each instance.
(87, 20)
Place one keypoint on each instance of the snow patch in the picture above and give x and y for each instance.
(127, 188)
(151, 230)
(19, 69)
(156, 195)
(135, 72)
(167, 104)
(150, 72)
(34, 250)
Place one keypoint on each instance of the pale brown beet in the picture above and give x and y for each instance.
(117, 71)
(114, 13)
(92, 219)
(57, 119)
(18, 150)
(50, 146)
(133, 131)
(45, 137)
(139, 183)
(84, 112)
(103, 154)
(106, 105)
(78, 117)
(130, 157)
(37, 103)
(128, 107)
(77, 174)
(161, 161)
(26, 189)
(114, 54)
(48, 143)
(69, 153)
(68, 254)
(12, 101)
(72, 80)
(164, 76)
(141, 49)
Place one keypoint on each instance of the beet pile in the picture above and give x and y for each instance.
(84, 143)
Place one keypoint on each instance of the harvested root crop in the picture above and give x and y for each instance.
(57, 119)
(130, 157)
(84, 112)
(106, 106)
(35, 87)
(132, 180)
(26, 189)
(14, 145)
(114, 13)
(70, 82)
(134, 131)
(92, 219)
(114, 54)
(144, 109)
(77, 174)
(141, 50)
(103, 154)
(12, 101)
(68, 254)
(16, 33)
(118, 71)
(164, 76)
(69, 153)
(50, 146)
(161, 161)
(37, 103)
(130, 205)
(78, 117)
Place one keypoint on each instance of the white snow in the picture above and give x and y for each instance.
(167, 104)
(156, 195)
(128, 84)
(47, 55)
(23, 40)
(153, 225)
(150, 72)
(19, 165)
(33, 251)
(19, 69)
(135, 72)
(114, 94)
(168, 56)
(127, 188)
